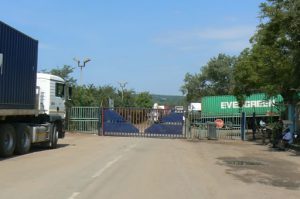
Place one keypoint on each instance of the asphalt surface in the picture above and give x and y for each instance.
(89, 166)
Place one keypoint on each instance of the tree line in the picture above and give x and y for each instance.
(101, 96)
(271, 65)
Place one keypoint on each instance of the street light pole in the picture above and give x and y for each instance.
(81, 66)
(122, 85)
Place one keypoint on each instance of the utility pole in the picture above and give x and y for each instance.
(122, 85)
(81, 66)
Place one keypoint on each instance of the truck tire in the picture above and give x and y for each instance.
(7, 140)
(53, 136)
(23, 139)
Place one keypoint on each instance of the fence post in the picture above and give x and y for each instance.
(243, 126)
(103, 119)
(187, 125)
(67, 119)
(99, 121)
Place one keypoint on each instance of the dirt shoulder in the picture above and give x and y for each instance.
(251, 162)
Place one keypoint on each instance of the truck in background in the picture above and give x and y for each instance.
(32, 105)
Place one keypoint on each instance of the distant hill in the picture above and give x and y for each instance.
(171, 100)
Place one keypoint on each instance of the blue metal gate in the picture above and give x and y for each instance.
(142, 122)
(127, 122)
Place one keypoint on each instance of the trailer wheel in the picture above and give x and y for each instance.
(53, 136)
(23, 139)
(7, 140)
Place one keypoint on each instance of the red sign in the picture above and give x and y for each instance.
(219, 123)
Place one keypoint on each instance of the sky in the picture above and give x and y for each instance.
(150, 44)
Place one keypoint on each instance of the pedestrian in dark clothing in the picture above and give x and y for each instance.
(277, 132)
(253, 126)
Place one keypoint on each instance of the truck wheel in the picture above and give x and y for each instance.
(23, 141)
(7, 140)
(53, 136)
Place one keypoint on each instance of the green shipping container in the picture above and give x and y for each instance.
(228, 105)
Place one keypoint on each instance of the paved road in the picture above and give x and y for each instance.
(88, 166)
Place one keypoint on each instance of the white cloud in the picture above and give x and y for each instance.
(232, 39)
(230, 19)
(45, 46)
(226, 33)
(234, 46)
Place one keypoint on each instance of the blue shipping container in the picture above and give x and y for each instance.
(18, 67)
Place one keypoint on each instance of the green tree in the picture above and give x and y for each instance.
(107, 92)
(83, 96)
(272, 65)
(91, 95)
(191, 87)
(65, 73)
(128, 98)
(215, 78)
(144, 100)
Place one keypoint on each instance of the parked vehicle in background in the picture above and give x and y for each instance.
(32, 105)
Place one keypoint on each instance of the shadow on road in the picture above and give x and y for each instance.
(293, 151)
(264, 170)
(37, 149)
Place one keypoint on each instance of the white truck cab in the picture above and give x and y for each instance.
(52, 95)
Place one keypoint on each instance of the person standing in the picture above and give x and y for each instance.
(253, 126)
(276, 132)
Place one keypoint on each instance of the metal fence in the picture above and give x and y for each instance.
(226, 126)
(84, 119)
(142, 122)
(126, 122)
(154, 123)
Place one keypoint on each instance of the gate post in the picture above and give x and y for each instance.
(243, 126)
(186, 128)
(100, 121)
(184, 124)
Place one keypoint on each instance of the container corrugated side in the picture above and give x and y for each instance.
(18, 72)
(228, 105)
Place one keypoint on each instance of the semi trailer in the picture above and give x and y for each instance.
(32, 105)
